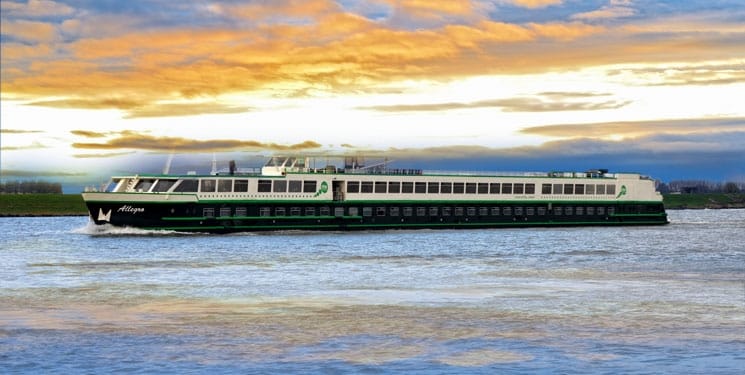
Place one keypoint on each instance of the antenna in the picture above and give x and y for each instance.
(167, 167)
(214, 165)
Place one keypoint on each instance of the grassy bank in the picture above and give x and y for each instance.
(710, 200)
(42, 205)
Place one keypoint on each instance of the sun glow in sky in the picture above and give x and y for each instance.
(99, 87)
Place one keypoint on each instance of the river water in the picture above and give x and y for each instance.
(80, 299)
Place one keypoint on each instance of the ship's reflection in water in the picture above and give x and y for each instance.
(659, 299)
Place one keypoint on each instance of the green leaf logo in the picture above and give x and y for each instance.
(324, 188)
(622, 192)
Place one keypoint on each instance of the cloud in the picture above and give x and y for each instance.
(102, 155)
(682, 74)
(29, 31)
(545, 102)
(615, 9)
(534, 4)
(134, 141)
(89, 133)
(141, 108)
(33, 146)
(19, 131)
(637, 129)
(35, 8)
(27, 173)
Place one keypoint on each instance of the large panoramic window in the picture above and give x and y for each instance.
(471, 188)
(163, 185)
(394, 187)
(240, 186)
(280, 186)
(446, 187)
(433, 187)
(579, 189)
(265, 186)
(207, 186)
(224, 186)
(353, 186)
(494, 188)
(295, 186)
(518, 189)
(506, 188)
(187, 186)
(546, 189)
(568, 188)
(366, 187)
(420, 187)
(380, 187)
(459, 188)
(483, 188)
(309, 186)
(529, 188)
(407, 187)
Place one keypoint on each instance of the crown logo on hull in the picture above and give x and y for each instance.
(104, 217)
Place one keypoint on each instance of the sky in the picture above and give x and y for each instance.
(91, 88)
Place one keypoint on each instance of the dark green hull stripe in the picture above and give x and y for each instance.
(410, 225)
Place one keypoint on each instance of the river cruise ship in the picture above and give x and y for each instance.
(287, 194)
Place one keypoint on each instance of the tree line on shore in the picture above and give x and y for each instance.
(30, 187)
(700, 186)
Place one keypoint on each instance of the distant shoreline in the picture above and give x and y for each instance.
(49, 205)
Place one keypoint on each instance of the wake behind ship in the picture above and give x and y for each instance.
(288, 194)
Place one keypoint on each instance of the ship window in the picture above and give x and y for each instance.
(568, 210)
(295, 211)
(309, 186)
(420, 187)
(568, 189)
(241, 211)
(589, 189)
(601, 210)
(518, 189)
(338, 211)
(163, 185)
(529, 188)
(407, 187)
(225, 186)
(483, 211)
(579, 189)
(408, 211)
(495, 211)
(265, 186)
(541, 211)
(295, 186)
(240, 186)
(354, 211)
(380, 211)
(591, 210)
(367, 211)
(471, 211)
(558, 188)
(394, 211)
(580, 210)
(353, 187)
(394, 187)
(207, 186)
(380, 187)
(518, 211)
(494, 188)
(208, 212)
(600, 189)
(325, 211)
(421, 211)
(279, 211)
(433, 211)
(367, 187)
(433, 187)
(187, 186)
(446, 187)
(224, 211)
(280, 186)
(530, 211)
(265, 211)
(610, 190)
(458, 211)
(458, 188)
(446, 211)
(611, 211)
(471, 188)
(507, 211)
(483, 188)
(558, 211)
(546, 189)
(144, 185)
(506, 188)
(311, 211)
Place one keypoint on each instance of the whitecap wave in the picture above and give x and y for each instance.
(92, 229)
